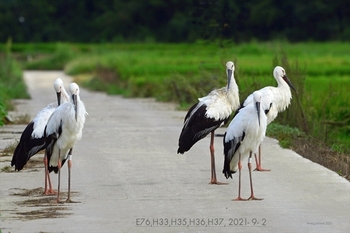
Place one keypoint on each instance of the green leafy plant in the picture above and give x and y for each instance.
(11, 82)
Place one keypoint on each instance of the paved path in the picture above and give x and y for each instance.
(127, 176)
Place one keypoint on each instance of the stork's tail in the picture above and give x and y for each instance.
(186, 141)
(180, 150)
(55, 168)
(227, 171)
(17, 160)
(26, 148)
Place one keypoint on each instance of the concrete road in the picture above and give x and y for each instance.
(127, 177)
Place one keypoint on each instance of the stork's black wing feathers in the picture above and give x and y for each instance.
(189, 111)
(197, 127)
(27, 147)
(267, 110)
(230, 149)
(50, 143)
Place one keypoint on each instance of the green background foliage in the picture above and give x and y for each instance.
(173, 20)
(11, 82)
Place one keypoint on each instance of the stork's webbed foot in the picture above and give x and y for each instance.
(49, 192)
(214, 181)
(260, 169)
(239, 199)
(251, 198)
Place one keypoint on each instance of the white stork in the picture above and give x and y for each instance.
(209, 114)
(63, 130)
(32, 139)
(280, 96)
(243, 136)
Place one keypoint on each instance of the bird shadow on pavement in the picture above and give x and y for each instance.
(35, 205)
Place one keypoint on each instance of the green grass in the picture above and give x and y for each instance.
(183, 72)
(56, 60)
(284, 134)
(11, 82)
(3, 112)
(327, 102)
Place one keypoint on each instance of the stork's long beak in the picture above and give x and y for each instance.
(285, 78)
(257, 105)
(58, 98)
(229, 75)
(75, 102)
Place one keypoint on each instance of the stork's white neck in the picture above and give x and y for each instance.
(283, 95)
(232, 92)
(64, 96)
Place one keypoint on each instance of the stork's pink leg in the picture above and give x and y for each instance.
(47, 178)
(50, 191)
(46, 171)
(252, 197)
(239, 198)
(258, 164)
(212, 158)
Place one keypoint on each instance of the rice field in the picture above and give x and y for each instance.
(183, 72)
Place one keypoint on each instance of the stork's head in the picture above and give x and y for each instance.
(230, 66)
(279, 73)
(58, 85)
(257, 100)
(74, 90)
